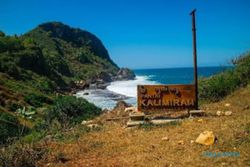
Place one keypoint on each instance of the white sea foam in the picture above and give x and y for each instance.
(118, 90)
(129, 88)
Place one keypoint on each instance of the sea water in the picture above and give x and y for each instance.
(127, 90)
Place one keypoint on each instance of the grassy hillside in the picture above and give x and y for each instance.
(35, 66)
(49, 58)
(114, 145)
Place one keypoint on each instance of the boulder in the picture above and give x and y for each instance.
(125, 74)
(104, 77)
(227, 105)
(206, 138)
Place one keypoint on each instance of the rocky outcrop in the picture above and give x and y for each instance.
(125, 74)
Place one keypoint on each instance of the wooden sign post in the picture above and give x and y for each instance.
(154, 98)
(195, 58)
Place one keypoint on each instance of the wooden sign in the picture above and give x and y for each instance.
(165, 97)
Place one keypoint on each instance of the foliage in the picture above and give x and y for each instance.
(56, 51)
(9, 127)
(45, 85)
(37, 100)
(70, 110)
(26, 113)
(218, 86)
(10, 44)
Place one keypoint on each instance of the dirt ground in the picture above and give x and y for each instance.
(115, 145)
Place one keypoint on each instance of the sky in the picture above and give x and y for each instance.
(144, 33)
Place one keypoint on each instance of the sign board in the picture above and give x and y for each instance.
(152, 98)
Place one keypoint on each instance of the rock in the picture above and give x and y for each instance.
(206, 138)
(104, 77)
(228, 113)
(200, 120)
(92, 126)
(102, 85)
(219, 113)
(191, 141)
(86, 122)
(121, 105)
(130, 109)
(125, 74)
(165, 139)
(227, 105)
(181, 142)
(118, 112)
(86, 93)
(105, 110)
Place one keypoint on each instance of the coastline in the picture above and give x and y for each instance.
(96, 90)
(106, 94)
(104, 97)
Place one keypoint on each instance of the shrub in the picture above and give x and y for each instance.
(69, 110)
(37, 100)
(9, 127)
(46, 85)
(220, 85)
(10, 68)
(32, 59)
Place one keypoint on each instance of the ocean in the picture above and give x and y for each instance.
(127, 90)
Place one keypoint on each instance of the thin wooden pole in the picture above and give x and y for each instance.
(195, 58)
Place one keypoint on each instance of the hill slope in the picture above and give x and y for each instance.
(51, 57)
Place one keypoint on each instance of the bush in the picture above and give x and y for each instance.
(10, 68)
(32, 59)
(9, 127)
(37, 100)
(69, 110)
(220, 85)
(46, 85)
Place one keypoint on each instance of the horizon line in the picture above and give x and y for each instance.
(152, 68)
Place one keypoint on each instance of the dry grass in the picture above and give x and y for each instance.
(115, 145)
